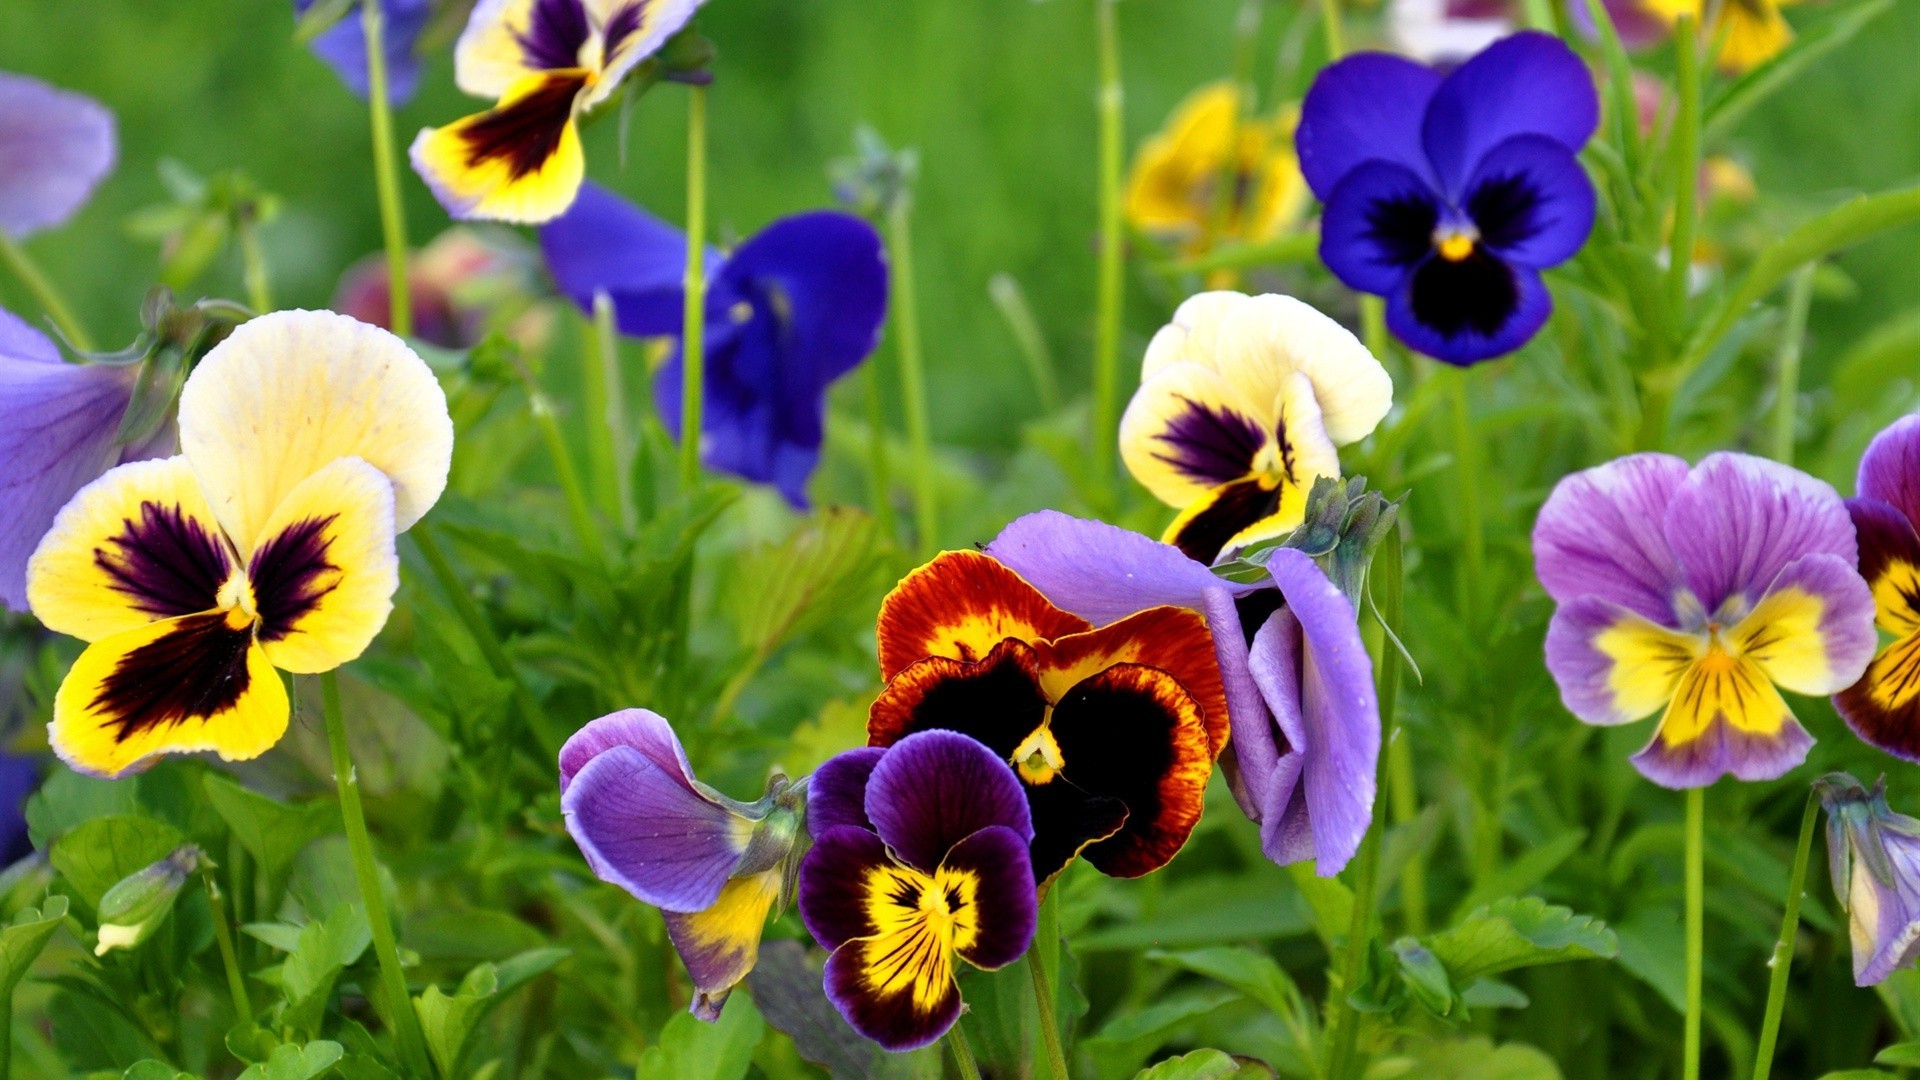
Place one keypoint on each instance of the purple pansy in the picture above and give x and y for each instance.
(62, 420)
(1884, 706)
(714, 866)
(343, 46)
(19, 776)
(55, 147)
(1448, 195)
(1299, 682)
(919, 855)
(794, 308)
(1697, 592)
(1874, 857)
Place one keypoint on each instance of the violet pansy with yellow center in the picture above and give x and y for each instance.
(1697, 593)
(1884, 706)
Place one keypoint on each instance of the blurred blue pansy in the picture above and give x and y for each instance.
(343, 46)
(55, 146)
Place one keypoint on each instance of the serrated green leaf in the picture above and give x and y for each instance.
(22, 941)
(69, 799)
(152, 1069)
(1516, 933)
(290, 1062)
(1128, 1038)
(836, 555)
(1252, 973)
(691, 1050)
(325, 949)
(1525, 872)
(1204, 1065)
(273, 832)
(96, 855)
(449, 1020)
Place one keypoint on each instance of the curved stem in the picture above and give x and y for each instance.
(962, 1052)
(879, 482)
(1041, 959)
(406, 1026)
(693, 338)
(1110, 294)
(913, 381)
(229, 959)
(1343, 1035)
(1787, 363)
(1466, 465)
(1686, 166)
(1696, 926)
(393, 217)
(51, 301)
(1781, 962)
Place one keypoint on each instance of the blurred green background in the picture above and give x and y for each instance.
(997, 95)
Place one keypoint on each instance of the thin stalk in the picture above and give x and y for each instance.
(1686, 165)
(1330, 25)
(879, 478)
(393, 216)
(913, 380)
(616, 420)
(6, 1018)
(962, 1052)
(37, 283)
(1466, 464)
(603, 470)
(693, 340)
(1007, 296)
(1696, 926)
(1343, 1034)
(469, 615)
(1041, 959)
(223, 933)
(1373, 326)
(1110, 294)
(1787, 362)
(253, 267)
(1781, 962)
(579, 509)
(406, 1026)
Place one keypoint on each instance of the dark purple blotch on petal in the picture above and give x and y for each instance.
(1210, 445)
(290, 575)
(166, 564)
(555, 31)
(195, 670)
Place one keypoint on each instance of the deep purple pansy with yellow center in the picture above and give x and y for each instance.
(1874, 857)
(1884, 706)
(1695, 593)
(919, 858)
(1449, 194)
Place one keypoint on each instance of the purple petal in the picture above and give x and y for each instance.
(895, 1020)
(19, 776)
(1724, 749)
(641, 729)
(1463, 337)
(1532, 201)
(1271, 756)
(936, 788)
(833, 884)
(20, 341)
(604, 243)
(1246, 709)
(1584, 672)
(1104, 573)
(343, 47)
(1367, 107)
(1527, 84)
(1886, 915)
(837, 792)
(55, 147)
(1601, 534)
(1739, 520)
(1378, 226)
(1007, 906)
(1890, 469)
(720, 944)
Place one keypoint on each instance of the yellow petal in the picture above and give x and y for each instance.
(1781, 635)
(629, 31)
(198, 682)
(289, 393)
(136, 545)
(1263, 339)
(1187, 431)
(1648, 663)
(1721, 686)
(721, 944)
(326, 570)
(1755, 32)
(519, 161)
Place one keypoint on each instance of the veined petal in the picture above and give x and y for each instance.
(997, 700)
(288, 393)
(1884, 916)
(897, 988)
(1378, 226)
(1739, 520)
(834, 878)
(960, 605)
(1612, 664)
(1812, 632)
(1725, 718)
(137, 545)
(644, 829)
(640, 729)
(631, 31)
(1528, 84)
(721, 943)
(520, 161)
(990, 872)
(1890, 469)
(1883, 708)
(1101, 572)
(198, 682)
(1366, 107)
(55, 146)
(1170, 639)
(325, 569)
(1265, 339)
(837, 791)
(1601, 533)
(1890, 563)
(1531, 201)
(1187, 431)
(932, 790)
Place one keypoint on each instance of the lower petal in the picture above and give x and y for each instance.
(721, 943)
(325, 570)
(1726, 718)
(997, 926)
(520, 161)
(1472, 310)
(1889, 561)
(174, 686)
(897, 990)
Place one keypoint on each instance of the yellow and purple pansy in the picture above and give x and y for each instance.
(547, 62)
(1175, 191)
(1696, 592)
(1884, 706)
(1112, 731)
(1243, 402)
(715, 867)
(919, 857)
(1874, 857)
(308, 442)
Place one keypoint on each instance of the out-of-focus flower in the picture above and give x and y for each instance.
(547, 61)
(137, 904)
(714, 866)
(308, 442)
(55, 147)
(792, 309)
(1697, 592)
(1297, 678)
(1113, 732)
(1449, 195)
(1884, 706)
(1176, 186)
(19, 776)
(919, 856)
(456, 285)
(1874, 857)
(1639, 23)
(1445, 32)
(1750, 32)
(343, 46)
(1242, 403)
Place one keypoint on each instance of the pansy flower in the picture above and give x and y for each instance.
(1298, 681)
(1174, 188)
(343, 46)
(1884, 706)
(1695, 593)
(1242, 403)
(1448, 195)
(63, 423)
(1638, 22)
(547, 61)
(919, 856)
(308, 442)
(713, 866)
(1749, 32)
(55, 147)
(1874, 857)
(795, 307)
(1112, 731)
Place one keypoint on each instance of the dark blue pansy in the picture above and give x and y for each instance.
(343, 46)
(1448, 195)
(792, 309)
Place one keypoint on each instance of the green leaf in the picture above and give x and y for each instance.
(273, 832)
(835, 556)
(1205, 1065)
(1906, 1053)
(69, 799)
(449, 1020)
(290, 1062)
(1480, 1059)
(22, 941)
(1128, 1038)
(152, 1069)
(324, 950)
(98, 854)
(1653, 950)
(1254, 974)
(1252, 905)
(1516, 933)
(691, 1050)
(1813, 43)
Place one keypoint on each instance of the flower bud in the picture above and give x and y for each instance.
(141, 901)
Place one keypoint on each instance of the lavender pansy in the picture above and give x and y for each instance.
(343, 46)
(1449, 195)
(1874, 857)
(795, 307)
(1696, 592)
(55, 147)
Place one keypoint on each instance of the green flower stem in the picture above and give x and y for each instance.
(599, 393)
(693, 340)
(879, 473)
(913, 380)
(469, 615)
(223, 934)
(579, 508)
(1405, 805)
(1330, 25)
(1685, 164)
(1043, 962)
(1696, 926)
(1781, 962)
(393, 216)
(618, 433)
(1110, 283)
(1473, 529)
(51, 302)
(1373, 326)
(406, 1026)
(253, 267)
(1787, 362)
(956, 1042)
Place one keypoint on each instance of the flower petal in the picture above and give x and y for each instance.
(1812, 633)
(1367, 107)
(1527, 84)
(1725, 718)
(897, 989)
(1601, 533)
(1613, 665)
(642, 729)
(1101, 572)
(603, 243)
(1531, 201)
(1270, 750)
(1464, 312)
(19, 341)
(960, 605)
(507, 40)
(288, 393)
(520, 161)
(1884, 917)
(1170, 639)
(1192, 334)
(343, 47)
(1890, 563)
(1264, 339)
(837, 791)
(1378, 226)
(1187, 431)
(178, 685)
(997, 700)
(642, 828)
(720, 944)
(936, 788)
(55, 147)
(633, 30)
(1883, 708)
(1739, 520)
(1002, 908)
(1890, 469)
(835, 897)
(326, 568)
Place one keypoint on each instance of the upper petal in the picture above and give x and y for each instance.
(603, 243)
(1192, 332)
(288, 393)
(642, 828)
(1366, 107)
(1739, 520)
(936, 788)
(343, 47)
(1890, 469)
(631, 31)
(1101, 572)
(1601, 533)
(641, 729)
(837, 792)
(505, 40)
(1266, 338)
(1528, 84)
(20, 341)
(326, 569)
(1812, 632)
(55, 146)
(1531, 201)
(960, 605)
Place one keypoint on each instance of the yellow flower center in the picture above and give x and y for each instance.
(1038, 760)
(1454, 245)
(236, 599)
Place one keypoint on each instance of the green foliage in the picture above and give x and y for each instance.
(691, 1050)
